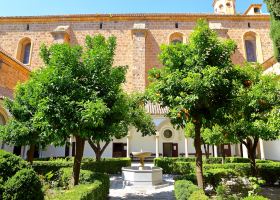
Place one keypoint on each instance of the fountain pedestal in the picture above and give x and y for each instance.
(148, 176)
(142, 176)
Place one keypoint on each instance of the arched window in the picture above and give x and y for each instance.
(175, 38)
(24, 51)
(251, 47)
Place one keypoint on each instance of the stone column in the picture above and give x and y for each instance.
(70, 146)
(186, 148)
(157, 144)
(245, 151)
(215, 151)
(139, 56)
(262, 150)
(128, 145)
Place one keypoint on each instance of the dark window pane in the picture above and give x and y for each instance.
(251, 50)
(26, 54)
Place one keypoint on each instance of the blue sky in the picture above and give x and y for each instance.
(53, 7)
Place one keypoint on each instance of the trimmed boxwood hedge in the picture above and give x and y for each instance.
(10, 164)
(84, 192)
(24, 185)
(93, 186)
(109, 166)
(187, 190)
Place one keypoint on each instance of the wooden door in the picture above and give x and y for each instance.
(167, 149)
(174, 150)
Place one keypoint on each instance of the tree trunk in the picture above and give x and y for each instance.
(205, 150)
(30, 154)
(252, 148)
(197, 144)
(80, 144)
(97, 149)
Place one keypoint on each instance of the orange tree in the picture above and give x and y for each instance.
(197, 82)
(82, 95)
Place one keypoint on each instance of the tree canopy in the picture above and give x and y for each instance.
(196, 82)
(274, 9)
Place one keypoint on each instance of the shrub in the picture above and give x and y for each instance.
(10, 164)
(183, 167)
(86, 177)
(255, 198)
(215, 176)
(84, 192)
(199, 194)
(236, 160)
(109, 166)
(44, 167)
(270, 172)
(24, 185)
(184, 189)
(94, 186)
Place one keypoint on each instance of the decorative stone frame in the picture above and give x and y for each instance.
(20, 49)
(167, 128)
(259, 52)
(177, 36)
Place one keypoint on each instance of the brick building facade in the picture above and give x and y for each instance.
(139, 37)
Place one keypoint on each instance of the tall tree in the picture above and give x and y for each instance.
(255, 112)
(196, 82)
(274, 9)
(82, 95)
(22, 129)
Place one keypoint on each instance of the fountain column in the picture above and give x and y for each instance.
(157, 144)
(128, 145)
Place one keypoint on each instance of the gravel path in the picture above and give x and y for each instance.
(119, 192)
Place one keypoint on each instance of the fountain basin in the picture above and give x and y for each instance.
(146, 176)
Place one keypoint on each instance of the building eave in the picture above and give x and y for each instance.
(130, 17)
(11, 61)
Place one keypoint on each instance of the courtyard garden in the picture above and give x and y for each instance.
(79, 94)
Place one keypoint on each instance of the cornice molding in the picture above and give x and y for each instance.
(129, 17)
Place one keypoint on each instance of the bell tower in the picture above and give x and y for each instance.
(224, 7)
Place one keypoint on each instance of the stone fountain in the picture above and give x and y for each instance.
(142, 175)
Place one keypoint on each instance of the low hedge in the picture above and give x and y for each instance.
(84, 192)
(169, 164)
(10, 164)
(86, 177)
(185, 190)
(270, 172)
(198, 195)
(109, 166)
(255, 198)
(92, 186)
(24, 185)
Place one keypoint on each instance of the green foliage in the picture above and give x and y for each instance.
(270, 172)
(199, 194)
(24, 185)
(109, 166)
(10, 164)
(23, 128)
(215, 176)
(255, 184)
(94, 191)
(197, 78)
(255, 197)
(86, 177)
(184, 189)
(274, 9)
